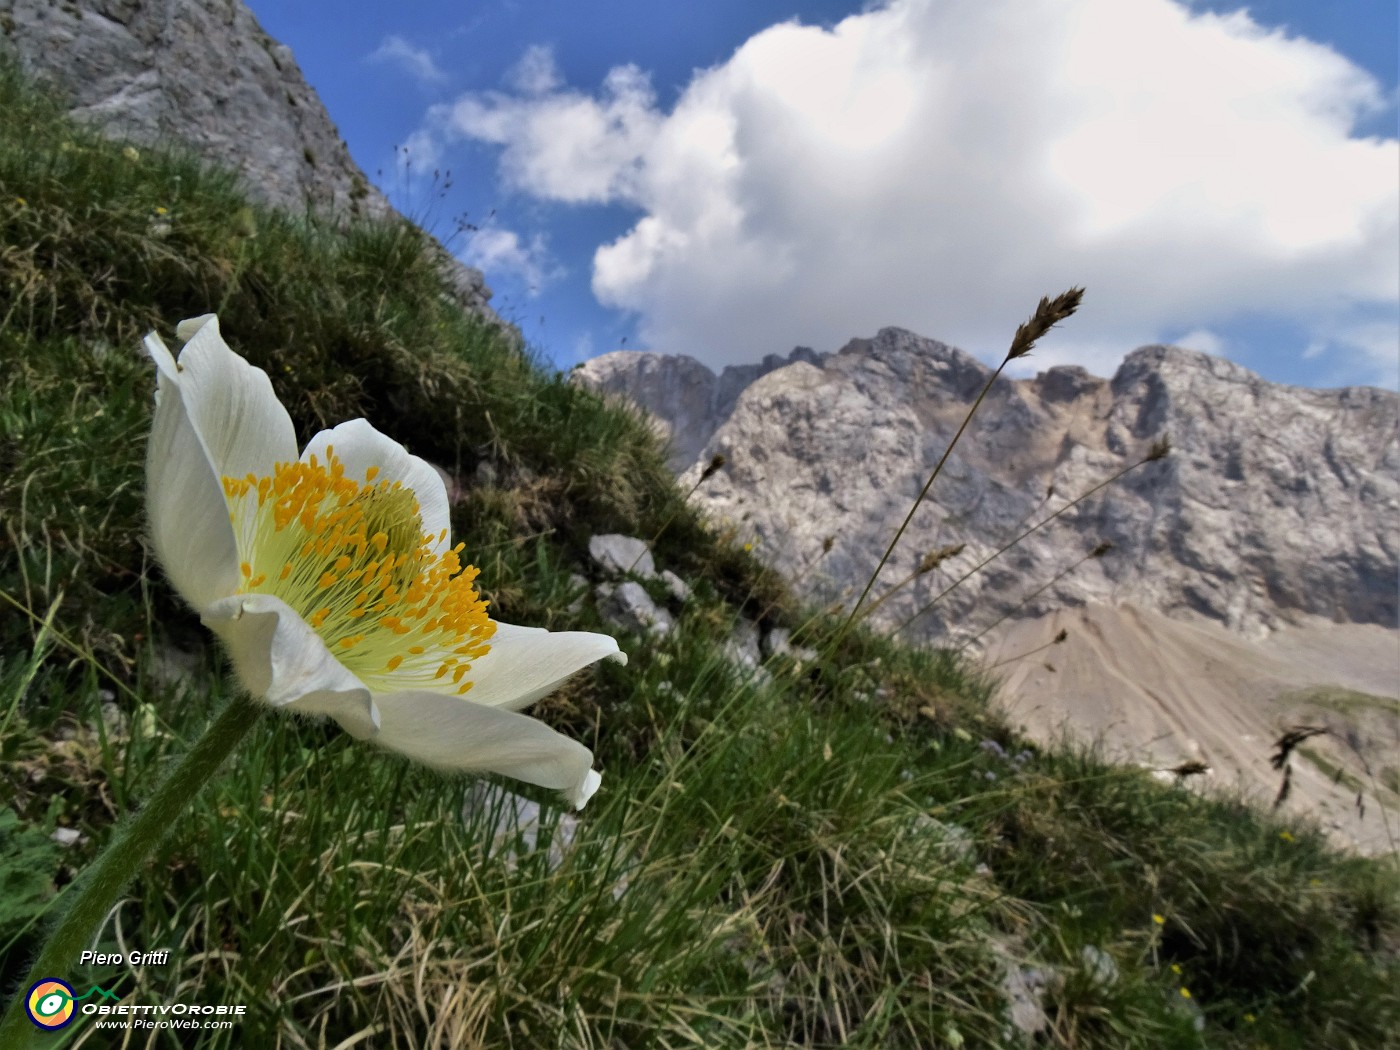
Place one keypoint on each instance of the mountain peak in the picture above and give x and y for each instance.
(1256, 518)
(1166, 357)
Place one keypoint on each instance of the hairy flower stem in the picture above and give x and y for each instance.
(1159, 449)
(87, 903)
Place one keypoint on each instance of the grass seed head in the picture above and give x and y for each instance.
(716, 462)
(1048, 314)
(933, 559)
(1290, 739)
(1192, 767)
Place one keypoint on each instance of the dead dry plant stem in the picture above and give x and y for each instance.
(1160, 448)
(1376, 792)
(46, 628)
(927, 565)
(1039, 648)
(874, 606)
(716, 462)
(899, 533)
(1047, 314)
(1098, 552)
(1049, 491)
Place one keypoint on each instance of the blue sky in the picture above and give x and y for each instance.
(755, 175)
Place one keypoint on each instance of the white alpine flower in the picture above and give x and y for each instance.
(331, 579)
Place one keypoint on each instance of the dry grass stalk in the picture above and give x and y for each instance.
(1049, 313)
(1192, 767)
(1291, 738)
(1158, 449)
(1100, 549)
(930, 561)
(1281, 758)
(717, 462)
(1039, 648)
(1046, 316)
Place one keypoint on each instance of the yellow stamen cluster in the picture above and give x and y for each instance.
(352, 559)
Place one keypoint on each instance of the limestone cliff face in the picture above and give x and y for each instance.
(687, 400)
(203, 73)
(1276, 501)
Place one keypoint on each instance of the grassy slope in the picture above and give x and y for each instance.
(769, 862)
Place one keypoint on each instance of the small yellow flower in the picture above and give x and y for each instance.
(1160, 920)
(1286, 836)
(1176, 968)
(1185, 993)
(159, 210)
(748, 546)
(1249, 1018)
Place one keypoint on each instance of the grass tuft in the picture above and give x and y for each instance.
(842, 845)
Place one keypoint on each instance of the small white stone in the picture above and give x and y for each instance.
(622, 555)
(629, 606)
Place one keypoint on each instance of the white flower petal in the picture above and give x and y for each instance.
(190, 531)
(280, 659)
(215, 414)
(453, 733)
(527, 663)
(359, 446)
(231, 405)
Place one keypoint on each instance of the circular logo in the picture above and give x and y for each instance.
(50, 1003)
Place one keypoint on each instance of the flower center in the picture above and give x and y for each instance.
(352, 559)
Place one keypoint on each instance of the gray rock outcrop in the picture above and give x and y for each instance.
(620, 555)
(1276, 501)
(687, 400)
(628, 606)
(203, 73)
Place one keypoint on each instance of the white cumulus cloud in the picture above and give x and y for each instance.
(560, 144)
(941, 165)
(415, 61)
(1202, 339)
(501, 252)
(536, 73)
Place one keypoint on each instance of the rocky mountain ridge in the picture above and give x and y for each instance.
(1277, 503)
(686, 399)
(205, 74)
